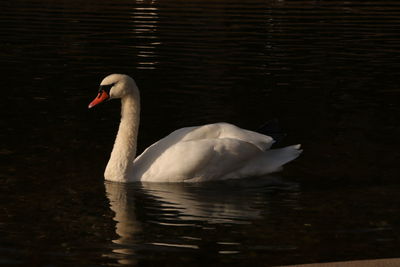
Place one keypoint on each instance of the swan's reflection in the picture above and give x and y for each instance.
(163, 207)
(212, 203)
(122, 204)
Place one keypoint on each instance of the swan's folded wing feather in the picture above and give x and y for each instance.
(209, 131)
(222, 130)
(199, 160)
(261, 141)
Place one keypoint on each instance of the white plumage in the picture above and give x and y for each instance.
(210, 152)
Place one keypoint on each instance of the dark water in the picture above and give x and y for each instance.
(328, 70)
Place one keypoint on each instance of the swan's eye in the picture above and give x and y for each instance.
(106, 88)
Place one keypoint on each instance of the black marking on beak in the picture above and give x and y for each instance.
(106, 88)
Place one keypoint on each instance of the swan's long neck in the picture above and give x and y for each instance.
(124, 151)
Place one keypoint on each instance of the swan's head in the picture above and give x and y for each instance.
(114, 86)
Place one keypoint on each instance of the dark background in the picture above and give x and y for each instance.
(328, 70)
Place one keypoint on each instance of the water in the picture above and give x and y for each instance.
(327, 70)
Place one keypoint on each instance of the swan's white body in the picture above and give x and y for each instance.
(194, 154)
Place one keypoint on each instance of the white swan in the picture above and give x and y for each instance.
(210, 152)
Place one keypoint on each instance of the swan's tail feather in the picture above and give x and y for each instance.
(268, 162)
(274, 159)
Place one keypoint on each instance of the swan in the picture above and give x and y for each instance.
(211, 152)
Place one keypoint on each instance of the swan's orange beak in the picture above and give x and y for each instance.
(100, 98)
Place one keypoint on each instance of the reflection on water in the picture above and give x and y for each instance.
(197, 207)
(123, 205)
(231, 202)
(144, 27)
(256, 222)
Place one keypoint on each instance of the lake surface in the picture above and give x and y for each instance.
(328, 70)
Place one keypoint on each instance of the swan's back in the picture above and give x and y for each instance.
(210, 152)
(226, 130)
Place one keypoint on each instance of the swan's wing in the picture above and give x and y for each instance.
(261, 141)
(210, 131)
(226, 130)
(198, 160)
